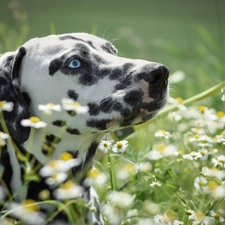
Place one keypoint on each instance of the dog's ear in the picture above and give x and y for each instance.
(10, 67)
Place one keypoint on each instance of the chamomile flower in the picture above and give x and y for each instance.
(33, 122)
(215, 190)
(3, 138)
(216, 217)
(120, 146)
(95, 176)
(219, 161)
(192, 156)
(28, 212)
(162, 220)
(191, 214)
(162, 150)
(49, 107)
(155, 184)
(126, 170)
(6, 106)
(214, 172)
(112, 214)
(56, 178)
(68, 190)
(63, 164)
(163, 133)
(105, 146)
(200, 182)
(121, 199)
(177, 222)
(70, 105)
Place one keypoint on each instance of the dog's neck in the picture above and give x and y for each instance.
(81, 146)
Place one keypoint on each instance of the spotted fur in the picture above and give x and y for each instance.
(118, 91)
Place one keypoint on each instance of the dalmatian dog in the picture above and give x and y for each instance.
(119, 92)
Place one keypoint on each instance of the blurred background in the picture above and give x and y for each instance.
(187, 36)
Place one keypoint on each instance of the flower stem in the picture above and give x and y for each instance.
(111, 174)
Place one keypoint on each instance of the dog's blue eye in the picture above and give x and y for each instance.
(74, 64)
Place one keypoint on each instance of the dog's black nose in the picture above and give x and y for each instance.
(156, 74)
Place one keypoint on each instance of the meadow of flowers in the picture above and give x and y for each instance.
(170, 172)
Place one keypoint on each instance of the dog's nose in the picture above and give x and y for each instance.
(156, 75)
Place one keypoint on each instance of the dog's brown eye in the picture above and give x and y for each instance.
(74, 64)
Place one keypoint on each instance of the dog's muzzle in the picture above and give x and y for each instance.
(151, 94)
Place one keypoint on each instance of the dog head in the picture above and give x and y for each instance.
(118, 91)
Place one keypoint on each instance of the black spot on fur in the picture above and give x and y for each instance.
(94, 109)
(84, 50)
(71, 113)
(103, 72)
(99, 124)
(116, 74)
(72, 131)
(108, 105)
(125, 112)
(17, 63)
(133, 97)
(7, 168)
(91, 44)
(127, 67)
(59, 123)
(51, 138)
(128, 121)
(54, 66)
(99, 59)
(109, 48)
(73, 95)
(121, 86)
(49, 145)
(70, 37)
(26, 98)
(90, 154)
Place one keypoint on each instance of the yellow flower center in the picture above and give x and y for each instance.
(53, 163)
(203, 153)
(179, 100)
(216, 216)
(2, 143)
(30, 205)
(161, 147)
(180, 152)
(119, 145)
(129, 167)
(220, 114)
(212, 185)
(202, 108)
(1, 103)
(105, 144)
(76, 104)
(67, 185)
(34, 119)
(66, 156)
(50, 104)
(93, 173)
(197, 136)
(223, 134)
(200, 215)
(221, 161)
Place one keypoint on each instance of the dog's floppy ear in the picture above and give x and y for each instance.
(10, 67)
